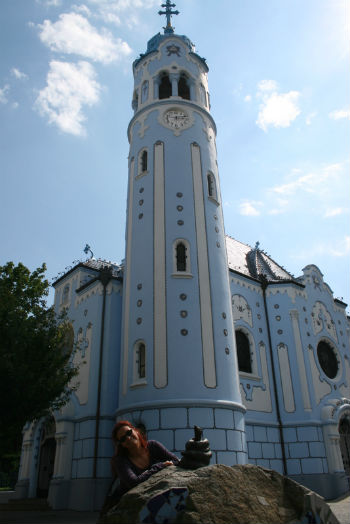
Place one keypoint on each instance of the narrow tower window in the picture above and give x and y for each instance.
(203, 95)
(65, 294)
(144, 91)
(141, 363)
(184, 88)
(212, 186)
(165, 87)
(243, 352)
(139, 366)
(135, 101)
(142, 168)
(144, 161)
(181, 257)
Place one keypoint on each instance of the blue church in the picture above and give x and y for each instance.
(194, 326)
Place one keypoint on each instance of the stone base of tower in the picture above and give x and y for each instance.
(222, 424)
(78, 494)
(328, 485)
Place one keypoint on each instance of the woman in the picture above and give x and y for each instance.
(135, 458)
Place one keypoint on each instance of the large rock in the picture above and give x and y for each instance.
(219, 494)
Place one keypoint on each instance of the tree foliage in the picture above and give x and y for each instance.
(35, 351)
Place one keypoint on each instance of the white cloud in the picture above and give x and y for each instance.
(50, 3)
(332, 248)
(247, 98)
(83, 9)
(314, 182)
(249, 208)
(113, 11)
(336, 211)
(339, 114)
(281, 204)
(73, 34)
(69, 88)
(267, 85)
(278, 110)
(309, 118)
(3, 93)
(18, 74)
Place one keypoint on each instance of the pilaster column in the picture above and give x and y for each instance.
(174, 79)
(156, 88)
(193, 90)
(294, 315)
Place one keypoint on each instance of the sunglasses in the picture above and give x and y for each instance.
(125, 436)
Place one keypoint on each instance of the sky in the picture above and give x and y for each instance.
(279, 85)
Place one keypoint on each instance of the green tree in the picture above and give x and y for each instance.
(35, 351)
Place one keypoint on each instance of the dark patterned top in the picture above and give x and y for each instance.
(130, 475)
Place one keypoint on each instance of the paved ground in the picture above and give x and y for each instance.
(340, 507)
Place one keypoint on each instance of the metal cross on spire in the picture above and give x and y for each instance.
(168, 12)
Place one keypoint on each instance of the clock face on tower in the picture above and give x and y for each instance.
(176, 119)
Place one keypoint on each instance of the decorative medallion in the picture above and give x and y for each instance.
(176, 119)
(173, 50)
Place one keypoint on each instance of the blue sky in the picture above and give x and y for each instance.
(279, 83)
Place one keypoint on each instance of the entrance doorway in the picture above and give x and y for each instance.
(344, 432)
(47, 457)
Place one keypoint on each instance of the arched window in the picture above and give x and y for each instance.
(141, 360)
(328, 359)
(243, 352)
(184, 88)
(65, 294)
(144, 161)
(139, 371)
(181, 257)
(212, 192)
(203, 95)
(142, 167)
(144, 92)
(165, 87)
(135, 101)
(67, 338)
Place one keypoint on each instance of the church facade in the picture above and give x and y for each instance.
(201, 330)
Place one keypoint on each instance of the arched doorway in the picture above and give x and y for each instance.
(47, 457)
(344, 432)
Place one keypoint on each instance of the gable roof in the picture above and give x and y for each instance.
(254, 263)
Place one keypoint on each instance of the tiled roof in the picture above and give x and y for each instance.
(92, 263)
(253, 262)
(99, 263)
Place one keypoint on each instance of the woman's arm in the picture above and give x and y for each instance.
(160, 453)
(129, 478)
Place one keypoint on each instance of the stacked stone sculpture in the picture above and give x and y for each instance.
(197, 453)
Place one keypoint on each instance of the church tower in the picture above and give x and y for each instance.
(178, 361)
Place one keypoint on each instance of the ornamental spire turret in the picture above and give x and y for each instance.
(169, 29)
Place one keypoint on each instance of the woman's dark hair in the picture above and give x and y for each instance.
(120, 451)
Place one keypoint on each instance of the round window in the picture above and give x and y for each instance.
(327, 359)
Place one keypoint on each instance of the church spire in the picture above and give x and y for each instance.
(168, 12)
